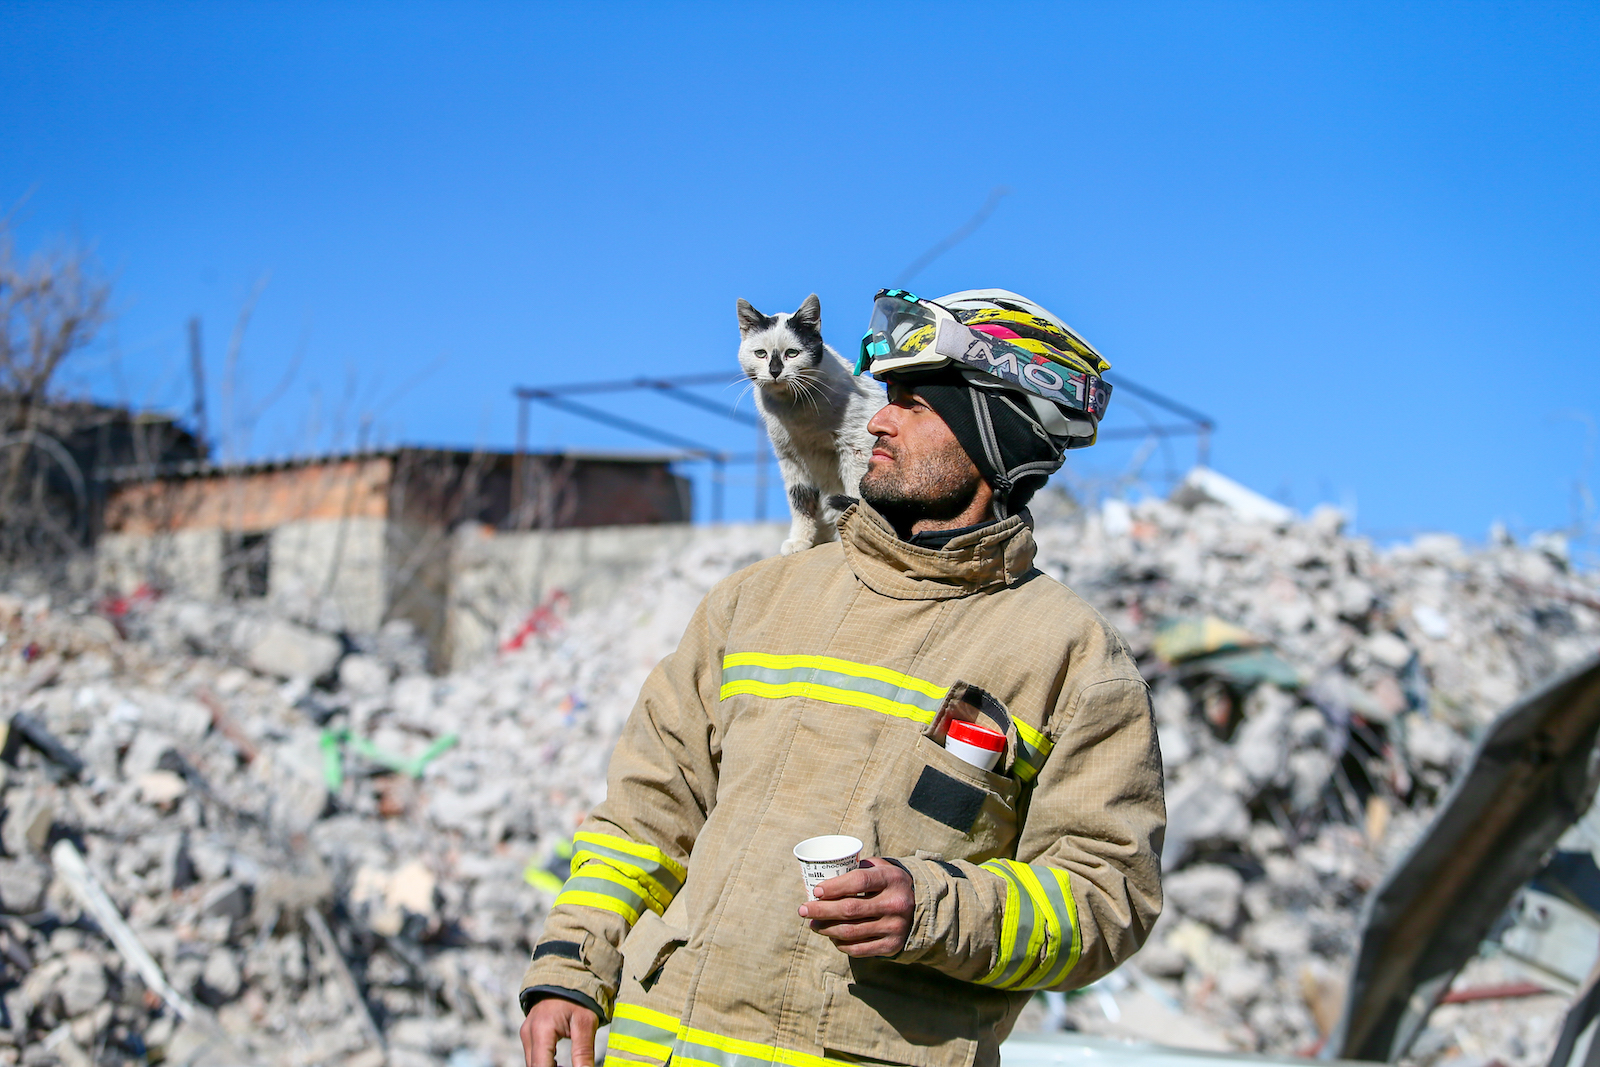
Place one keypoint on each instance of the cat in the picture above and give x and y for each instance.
(816, 411)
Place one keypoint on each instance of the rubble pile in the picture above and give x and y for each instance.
(323, 848)
(334, 857)
(1314, 696)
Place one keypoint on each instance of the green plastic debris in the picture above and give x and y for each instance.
(334, 742)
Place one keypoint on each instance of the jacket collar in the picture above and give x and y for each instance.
(982, 561)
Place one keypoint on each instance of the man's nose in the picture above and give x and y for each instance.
(881, 425)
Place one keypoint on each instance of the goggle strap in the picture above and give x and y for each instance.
(986, 434)
(1031, 418)
(1045, 467)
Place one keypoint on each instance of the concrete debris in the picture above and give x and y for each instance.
(1208, 891)
(343, 859)
(1205, 486)
(318, 850)
(1314, 694)
(289, 651)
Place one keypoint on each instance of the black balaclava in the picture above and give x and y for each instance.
(1024, 450)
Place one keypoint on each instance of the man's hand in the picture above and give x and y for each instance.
(552, 1019)
(867, 912)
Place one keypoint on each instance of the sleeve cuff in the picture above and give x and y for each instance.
(533, 994)
(930, 884)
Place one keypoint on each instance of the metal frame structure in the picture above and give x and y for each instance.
(677, 388)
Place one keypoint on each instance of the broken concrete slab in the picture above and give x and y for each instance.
(1208, 892)
(285, 650)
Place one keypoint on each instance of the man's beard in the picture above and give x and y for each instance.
(940, 488)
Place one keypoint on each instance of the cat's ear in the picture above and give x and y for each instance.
(750, 319)
(809, 316)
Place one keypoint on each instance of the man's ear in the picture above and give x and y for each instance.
(750, 319)
(809, 316)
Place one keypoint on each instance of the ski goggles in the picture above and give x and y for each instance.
(909, 335)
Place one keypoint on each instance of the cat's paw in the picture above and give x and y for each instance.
(793, 545)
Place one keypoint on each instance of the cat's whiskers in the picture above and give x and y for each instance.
(748, 389)
(810, 391)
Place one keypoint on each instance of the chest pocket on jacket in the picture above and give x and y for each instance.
(937, 805)
(954, 810)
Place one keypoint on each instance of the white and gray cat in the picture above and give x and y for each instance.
(816, 413)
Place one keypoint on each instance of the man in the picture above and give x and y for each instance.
(811, 695)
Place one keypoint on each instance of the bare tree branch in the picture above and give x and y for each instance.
(52, 304)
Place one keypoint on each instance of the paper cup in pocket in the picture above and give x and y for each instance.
(827, 857)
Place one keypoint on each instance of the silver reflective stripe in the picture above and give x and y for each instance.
(664, 876)
(833, 679)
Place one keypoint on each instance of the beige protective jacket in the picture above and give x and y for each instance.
(809, 696)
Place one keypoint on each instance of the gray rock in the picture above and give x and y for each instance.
(1161, 960)
(1388, 649)
(221, 975)
(144, 754)
(1244, 983)
(1263, 737)
(82, 985)
(23, 883)
(413, 700)
(1177, 744)
(363, 675)
(195, 1046)
(1355, 599)
(188, 719)
(439, 1035)
(285, 650)
(228, 900)
(1309, 771)
(1201, 810)
(466, 811)
(1307, 727)
(1431, 743)
(211, 861)
(1283, 937)
(1209, 892)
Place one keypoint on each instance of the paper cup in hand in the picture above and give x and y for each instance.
(827, 857)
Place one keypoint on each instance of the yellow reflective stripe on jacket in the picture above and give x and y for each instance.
(596, 880)
(653, 874)
(648, 1032)
(1023, 934)
(1032, 748)
(603, 901)
(835, 681)
(714, 1050)
(642, 1032)
(637, 1046)
(1057, 885)
(1040, 940)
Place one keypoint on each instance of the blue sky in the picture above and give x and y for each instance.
(1361, 236)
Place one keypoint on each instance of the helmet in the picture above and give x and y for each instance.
(999, 342)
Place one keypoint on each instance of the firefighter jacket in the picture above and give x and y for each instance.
(809, 696)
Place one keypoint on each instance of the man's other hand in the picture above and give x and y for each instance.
(867, 912)
(552, 1019)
